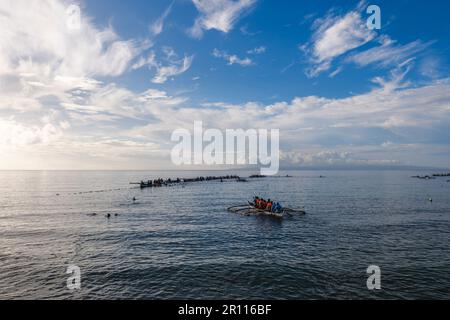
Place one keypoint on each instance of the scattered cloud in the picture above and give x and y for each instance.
(289, 66)
(314, 130)
(57, 49)
(388, 54)
(331, 158)
(335, 72)
(431, 67)
(232, 59)
(169, 67)
(246, 32)
(342, 38)
(60, 106)
(258, 50)
(218, 15)
(163, 73)
(157, 27)
(396, 78)
(334, 36)
(16, 134)
(339, 130)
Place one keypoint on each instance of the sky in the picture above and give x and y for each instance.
(106, 91)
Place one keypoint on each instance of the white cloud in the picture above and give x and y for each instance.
(110, 122)
(333, 36)
(320, 121)
(157, 27)
(332, 158)
(246, 32)
(17, 135)
(170, 66)
(220, 15)
(432, 67)
(257, 50)
(50, 47)
(163, 73)
(56, 114)
(142, 62)
(396, 77)
(232, 59)
(335, 72)
(342, 36)
(388, 53)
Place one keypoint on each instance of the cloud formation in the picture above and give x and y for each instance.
(52, 48)
(343, 37)
(157, 27)
(232, 58)
(62, 106)
(388, 54)
(333, 36)
(257, 50)
(218, 15)
(170, 66)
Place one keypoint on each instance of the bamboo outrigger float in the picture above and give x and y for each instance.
(250, 210)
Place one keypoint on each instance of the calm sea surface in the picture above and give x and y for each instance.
(180, 242)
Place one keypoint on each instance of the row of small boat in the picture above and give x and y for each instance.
(171, 182)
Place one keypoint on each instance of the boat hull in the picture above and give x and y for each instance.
(268, 213)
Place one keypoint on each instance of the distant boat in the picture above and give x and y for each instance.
(425, 177)
(144, 185)
(257, 176)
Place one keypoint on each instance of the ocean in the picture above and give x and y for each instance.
(180, 242)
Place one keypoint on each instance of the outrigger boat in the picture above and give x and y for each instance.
(250, 209)
(145, 185)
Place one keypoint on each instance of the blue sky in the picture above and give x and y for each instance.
(108, 95)
(280, 27)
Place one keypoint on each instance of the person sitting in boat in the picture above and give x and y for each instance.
(255, 201)
(262, 204)
(276, 207)
(258, 202)
(269, 206)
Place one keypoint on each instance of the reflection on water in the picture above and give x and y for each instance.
(180, 242)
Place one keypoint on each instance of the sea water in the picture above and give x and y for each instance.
(180, 242)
